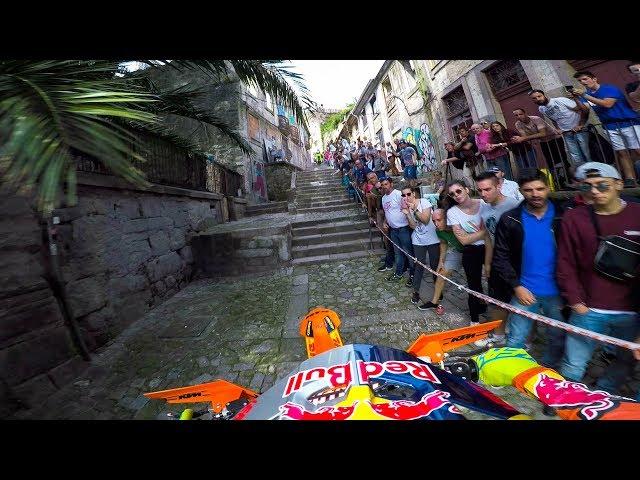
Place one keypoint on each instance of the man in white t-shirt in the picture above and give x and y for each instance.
(397, 226)
(424, 237)
(496, 203)
(508, 188)
(567, 117)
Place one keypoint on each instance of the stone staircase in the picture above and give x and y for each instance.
(328, 238)
(264, 208)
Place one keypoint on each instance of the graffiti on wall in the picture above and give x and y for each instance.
(421, 138)
(259, 185)
(428, 149)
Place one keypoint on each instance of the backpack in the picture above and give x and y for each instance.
(617, 257)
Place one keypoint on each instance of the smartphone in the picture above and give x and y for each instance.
(403, 203)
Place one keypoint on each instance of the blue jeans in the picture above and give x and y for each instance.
(526, 158)
(410, 171)
(402, 236)
(519, 327)
(577, 145)
(579, 349)
(504, 164)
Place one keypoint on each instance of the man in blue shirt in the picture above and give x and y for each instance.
(524, 263)
(409, 158)
(360, 171)
(618, 118)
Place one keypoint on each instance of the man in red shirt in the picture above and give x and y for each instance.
(598, 302)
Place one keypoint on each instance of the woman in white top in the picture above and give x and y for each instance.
(424, 237)
(464, 218)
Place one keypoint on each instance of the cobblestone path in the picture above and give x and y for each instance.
(245, 330)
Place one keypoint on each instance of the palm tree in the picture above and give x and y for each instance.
(50, 110)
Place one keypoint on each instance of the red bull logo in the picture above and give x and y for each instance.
(566, 394)
(393, 410)
(340, 375)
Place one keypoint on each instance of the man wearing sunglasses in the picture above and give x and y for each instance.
(398, 226)
(524, 263)
(599, 302)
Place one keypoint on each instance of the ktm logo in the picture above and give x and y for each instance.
(463, 337)
(189, 395)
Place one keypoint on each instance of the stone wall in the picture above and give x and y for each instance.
(37, 356)
(121, 251)
(125, 251)
(278, 177)
(244, 251)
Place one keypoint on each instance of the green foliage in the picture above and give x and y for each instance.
(52, 109)
(333, 120)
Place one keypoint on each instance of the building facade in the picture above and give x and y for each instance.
(427, 101)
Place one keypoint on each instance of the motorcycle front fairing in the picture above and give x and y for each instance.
(363, 381)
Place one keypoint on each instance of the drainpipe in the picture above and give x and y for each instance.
(57, 286)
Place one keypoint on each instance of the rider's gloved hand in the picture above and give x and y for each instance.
(499, 366)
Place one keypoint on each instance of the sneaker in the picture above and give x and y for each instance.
(415, 298)
(394, 277)
(439, 310)
(499, 340)
(427, 306)
(474, 324)
(384, 268)
(409, 282)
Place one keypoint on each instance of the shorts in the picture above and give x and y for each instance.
(452, 260)
(625, 138)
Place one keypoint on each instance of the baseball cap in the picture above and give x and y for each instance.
(596, 169)
(495, 169)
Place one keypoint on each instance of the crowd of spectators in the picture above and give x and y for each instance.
(497, 221)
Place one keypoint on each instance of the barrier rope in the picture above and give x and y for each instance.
(533, 316)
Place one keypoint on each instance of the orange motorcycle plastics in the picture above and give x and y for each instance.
(219, 393)
(434, 345)
(319, 328)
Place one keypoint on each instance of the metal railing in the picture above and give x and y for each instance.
(168, 164)
(559, 154)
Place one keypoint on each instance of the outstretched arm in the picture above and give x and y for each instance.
(572, 400)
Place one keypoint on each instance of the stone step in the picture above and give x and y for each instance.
(322, 195)
(321, 198)
(325, 203)
(349, 216)
(324, 184)
(337, 257)
(260, 206)
(267, 208)
(330, 227)
(330, 248)
(331, 208)
(338, 237)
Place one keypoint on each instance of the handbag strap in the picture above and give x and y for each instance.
(594, 219)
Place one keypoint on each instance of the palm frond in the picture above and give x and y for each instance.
(51, 109)
(269, 76)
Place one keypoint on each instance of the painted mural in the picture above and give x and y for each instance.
(259, 184)
(428, 148)
(421, 138)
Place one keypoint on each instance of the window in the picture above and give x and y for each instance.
(457, 108)
(374, 105)
(268, 102)
(505, 75)
(253, 127)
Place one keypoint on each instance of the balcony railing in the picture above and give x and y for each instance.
(560, 154)
(168, 164)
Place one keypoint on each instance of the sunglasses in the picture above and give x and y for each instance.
(405, 194)
(457, 192)
(601, 187)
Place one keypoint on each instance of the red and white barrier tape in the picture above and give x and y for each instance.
(533, 316)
